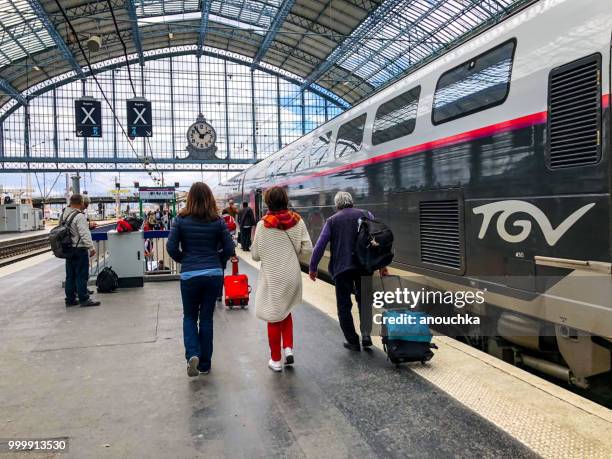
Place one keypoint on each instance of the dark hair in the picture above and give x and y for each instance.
(245, 204)
(76, 199)
(200, 203)
(276, 198)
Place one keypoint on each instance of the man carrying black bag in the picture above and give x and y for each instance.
(77, 262)
(341, 231)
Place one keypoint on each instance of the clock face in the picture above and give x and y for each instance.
(201, 135)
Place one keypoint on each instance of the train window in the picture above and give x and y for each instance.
(301, 158)
(283, 164)
(350, 136)
(320, 148)
(397, 117)
(480, 83)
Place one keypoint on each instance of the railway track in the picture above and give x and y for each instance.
(14, 250)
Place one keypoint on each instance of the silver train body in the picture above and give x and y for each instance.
(491, 164)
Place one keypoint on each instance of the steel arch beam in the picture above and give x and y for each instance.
(279, 19)
(57, 38)
(135, 30)
(203, 29)
(118, 63)
(6, 87)
(350, 42)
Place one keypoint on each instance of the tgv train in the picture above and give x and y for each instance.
(491, 164)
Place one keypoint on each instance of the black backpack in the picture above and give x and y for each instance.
(374, 247)
(107, 281)
(61, 239)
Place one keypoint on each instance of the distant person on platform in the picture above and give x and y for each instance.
(86, 202)
(340, 231)
(231, 209)
(246, 221)
(77, 266)
(151, 219)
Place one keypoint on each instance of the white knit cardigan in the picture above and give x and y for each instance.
(279, 286)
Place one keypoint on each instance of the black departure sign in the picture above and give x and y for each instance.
(88, 117)
(139, 117)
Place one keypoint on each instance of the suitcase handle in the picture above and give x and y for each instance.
(234, 261)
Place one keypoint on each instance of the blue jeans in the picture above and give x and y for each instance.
(77, 274)
(199, 295)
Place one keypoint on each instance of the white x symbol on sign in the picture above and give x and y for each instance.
(139, 115)
(88, 115)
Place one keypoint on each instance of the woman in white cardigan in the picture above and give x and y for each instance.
(280, 237)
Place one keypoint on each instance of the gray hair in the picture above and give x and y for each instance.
(343, 199)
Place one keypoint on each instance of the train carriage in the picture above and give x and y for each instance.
(492, 166)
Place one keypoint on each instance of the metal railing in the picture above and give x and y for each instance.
(157, 263)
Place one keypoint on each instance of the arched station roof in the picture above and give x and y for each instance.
(349, 47)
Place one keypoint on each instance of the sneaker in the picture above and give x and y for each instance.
(91, 292)
(71, 303)
(192, 366)
(289, 356)
(205, 372)
(90, 303)
(275, 366)
(352, 347)
(366, 341)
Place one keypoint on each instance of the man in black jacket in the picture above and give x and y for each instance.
(246, 220)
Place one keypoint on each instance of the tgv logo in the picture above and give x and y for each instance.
(507, 208)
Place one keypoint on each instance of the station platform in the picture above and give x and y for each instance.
(112, 379)
(15, 236)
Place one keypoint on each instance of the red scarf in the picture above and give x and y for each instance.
(281, 219)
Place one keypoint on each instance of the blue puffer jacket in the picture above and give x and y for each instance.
(198, 245)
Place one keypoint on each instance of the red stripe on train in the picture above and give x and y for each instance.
(487, 131)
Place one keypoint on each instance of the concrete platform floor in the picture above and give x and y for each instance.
(113, 380)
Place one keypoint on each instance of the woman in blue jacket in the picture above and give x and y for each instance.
(194, 240)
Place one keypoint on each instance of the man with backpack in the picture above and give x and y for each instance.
(77, 262)
(341, 231)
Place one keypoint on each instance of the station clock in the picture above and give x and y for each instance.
(201, 139)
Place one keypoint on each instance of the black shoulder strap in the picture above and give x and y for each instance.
(72, 217)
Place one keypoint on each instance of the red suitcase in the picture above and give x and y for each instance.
(236, 287)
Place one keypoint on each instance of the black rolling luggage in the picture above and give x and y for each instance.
(406, 342)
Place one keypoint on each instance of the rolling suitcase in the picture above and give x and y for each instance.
(236, 288)
(406, 342)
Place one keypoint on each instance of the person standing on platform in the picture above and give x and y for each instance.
(231, 209)
(77, 265)
(340, 230)
(194, 239)
(280, 238)
(246, 220)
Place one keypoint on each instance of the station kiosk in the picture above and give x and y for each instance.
(126, 257)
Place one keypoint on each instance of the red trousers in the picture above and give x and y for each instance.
(278, 330)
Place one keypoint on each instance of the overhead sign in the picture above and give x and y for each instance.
(156, 193)
(88, 117)
(139, 117)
